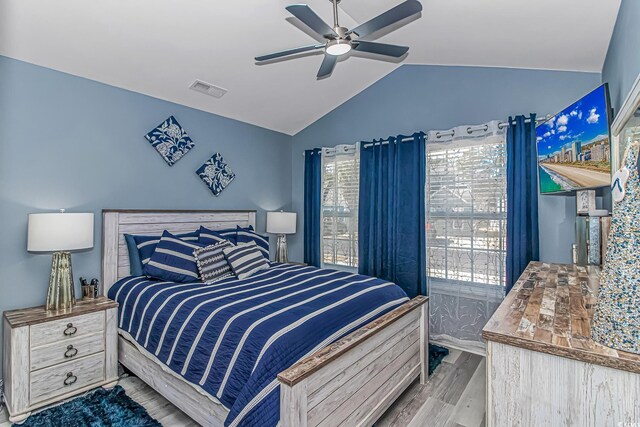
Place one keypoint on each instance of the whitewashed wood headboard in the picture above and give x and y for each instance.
(115, 223)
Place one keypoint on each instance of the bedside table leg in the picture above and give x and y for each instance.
(19, 419)
(110, 385)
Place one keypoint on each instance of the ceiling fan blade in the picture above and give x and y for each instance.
(311, 20)
(381, 48)
(328, 64)
(391, 16)
(288, 52)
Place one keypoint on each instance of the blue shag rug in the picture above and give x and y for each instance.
(436, 354)
(99, 408)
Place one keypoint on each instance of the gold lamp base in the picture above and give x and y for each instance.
(61, 294)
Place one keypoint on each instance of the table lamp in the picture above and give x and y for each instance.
(281, 223)
(60, 233)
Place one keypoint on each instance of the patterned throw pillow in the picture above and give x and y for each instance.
(141, 248)
(211, 237)
(245, 260)
(173, 260)
(247, 235)
(212, 264)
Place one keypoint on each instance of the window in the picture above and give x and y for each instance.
(340, 182)
(466, 211)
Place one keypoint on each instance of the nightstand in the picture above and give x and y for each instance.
(51, 356)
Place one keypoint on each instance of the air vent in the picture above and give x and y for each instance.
(208, 89)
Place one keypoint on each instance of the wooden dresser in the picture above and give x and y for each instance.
(543, 369)
(51, 356)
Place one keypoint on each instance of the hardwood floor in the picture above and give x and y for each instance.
(453, 397)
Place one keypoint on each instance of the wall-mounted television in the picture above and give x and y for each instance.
(574, 146)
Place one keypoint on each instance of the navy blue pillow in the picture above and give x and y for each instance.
(173, 260)
(247, 235)
(211, 237)
(141, 248)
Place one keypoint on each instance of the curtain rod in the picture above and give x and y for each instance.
(470, 130)
(386, 141)
(330, 151)
(503, 125)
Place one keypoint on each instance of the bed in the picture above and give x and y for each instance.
(294, 345)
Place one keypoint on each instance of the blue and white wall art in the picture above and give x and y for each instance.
(171, 140)
(216, 173)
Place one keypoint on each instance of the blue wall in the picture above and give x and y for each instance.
(422, 97)
(72, 143)
(622, 65)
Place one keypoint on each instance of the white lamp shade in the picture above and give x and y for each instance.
(53, 232)
(281, 222)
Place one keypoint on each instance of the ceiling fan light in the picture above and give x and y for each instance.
(338, 47)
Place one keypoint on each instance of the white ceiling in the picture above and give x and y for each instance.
(159, 47)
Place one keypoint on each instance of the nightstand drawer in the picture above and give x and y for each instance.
(66, 350)
(66, 329)
(61, 379)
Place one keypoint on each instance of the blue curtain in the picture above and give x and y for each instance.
(391, 218)
(522, 197)
(312, 205)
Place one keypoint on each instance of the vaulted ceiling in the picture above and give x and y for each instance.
(159, 47)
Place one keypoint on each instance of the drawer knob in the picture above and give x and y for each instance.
(70, 329)
(70, 379)
(71, 352)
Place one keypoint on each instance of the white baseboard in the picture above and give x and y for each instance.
(479, 348)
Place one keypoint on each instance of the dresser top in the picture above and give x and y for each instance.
(35, 315)
(549, 310)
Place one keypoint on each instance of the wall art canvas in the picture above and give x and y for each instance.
(171, 140)
(216, 173)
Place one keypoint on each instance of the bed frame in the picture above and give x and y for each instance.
(350, 382)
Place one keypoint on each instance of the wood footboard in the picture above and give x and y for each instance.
(355, 380)
(204, 409)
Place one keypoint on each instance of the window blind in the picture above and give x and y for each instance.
(466, 212)
(340, 185)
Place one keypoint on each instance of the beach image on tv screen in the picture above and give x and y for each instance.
(574, 148)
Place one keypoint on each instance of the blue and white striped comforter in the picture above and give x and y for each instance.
(232, 338)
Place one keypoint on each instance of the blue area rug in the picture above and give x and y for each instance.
(436, 354)
(99, 408)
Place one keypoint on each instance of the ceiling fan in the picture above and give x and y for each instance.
(341, 40)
